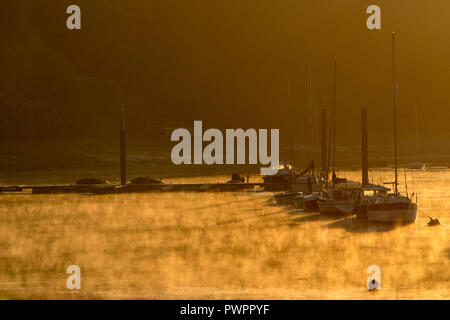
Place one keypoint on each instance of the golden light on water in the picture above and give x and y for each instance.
(219, 245)
(147, 68)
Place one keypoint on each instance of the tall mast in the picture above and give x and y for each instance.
(123, 157)
(323, 153)
(312, 112)
(395, 92)
(332, 134)
(417, 131)
(364, 148)
(334, 116)
(291, 125)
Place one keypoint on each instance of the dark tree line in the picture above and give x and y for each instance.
(224, 62)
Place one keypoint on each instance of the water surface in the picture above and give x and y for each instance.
(219, 245)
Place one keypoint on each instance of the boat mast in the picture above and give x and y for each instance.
(417, 131)
(332, 134)
(334, 117)
(291, 125)
(123, 154)
(395, 92)
(313, 131)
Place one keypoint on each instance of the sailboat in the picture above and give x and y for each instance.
(393, 207)
(306, 185)
(298, 184)
(340, 198)
(285, 175)
(310, 181)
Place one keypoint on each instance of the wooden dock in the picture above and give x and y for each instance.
(138, 188)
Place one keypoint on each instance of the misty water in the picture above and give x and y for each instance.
(219, 245)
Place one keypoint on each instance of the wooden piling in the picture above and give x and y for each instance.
(123, 157)
(324, 143)
(364, 148)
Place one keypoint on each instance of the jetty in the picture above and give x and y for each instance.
(137, 188)
(98, 186)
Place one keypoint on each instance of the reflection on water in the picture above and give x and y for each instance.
(219, 245)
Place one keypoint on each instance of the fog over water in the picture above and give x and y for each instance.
(219, 245)
(229, 64)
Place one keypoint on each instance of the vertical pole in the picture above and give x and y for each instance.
(324, 144)
(365, 165)
(292, 126)
(310, 117)
(334, 115)
(406, 184)
(123, 158)
(417, 132)
(395, 92)
(332, 134)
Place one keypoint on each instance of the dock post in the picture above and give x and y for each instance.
(123, 152)
(324, 143)
(365, 160)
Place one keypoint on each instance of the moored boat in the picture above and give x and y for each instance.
(335, 207)
(417, 165)
(282, 179)
(339, 196)
(287, 197)
(392, 208)
(308, 203)
(339, 200)
(286, 178)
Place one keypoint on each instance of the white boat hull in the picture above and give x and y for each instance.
(407, 214)
(417, 165)
(331, 207)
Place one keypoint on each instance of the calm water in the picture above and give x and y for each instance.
(219, 245)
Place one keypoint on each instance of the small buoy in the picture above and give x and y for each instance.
(374, 286)
(433, 222)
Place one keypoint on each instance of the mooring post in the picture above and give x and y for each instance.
(123, 152)
(324, 143)
(365, 157)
